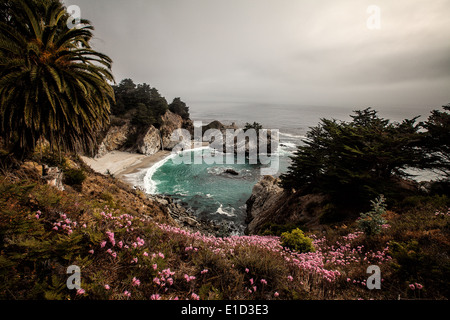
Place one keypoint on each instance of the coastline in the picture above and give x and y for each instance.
(126, 166)
(122, 164)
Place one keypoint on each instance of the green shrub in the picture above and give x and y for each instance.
(273, 229)
(371, 222)
(297, 241)
(74, 177)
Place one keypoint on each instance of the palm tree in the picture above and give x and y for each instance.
(53, 85)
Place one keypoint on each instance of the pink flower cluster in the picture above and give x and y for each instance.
(164, 278)
(414, 286)
(189, 278)
(442, 214)
(64, 224)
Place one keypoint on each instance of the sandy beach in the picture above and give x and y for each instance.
(124, 165)
(121, 163)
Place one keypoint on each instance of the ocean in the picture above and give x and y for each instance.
(212, 193)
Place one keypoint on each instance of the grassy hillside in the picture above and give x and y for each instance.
(127, 247)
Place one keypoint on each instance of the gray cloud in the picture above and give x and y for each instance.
(280, 51)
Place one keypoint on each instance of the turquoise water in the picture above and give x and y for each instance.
(207, 189)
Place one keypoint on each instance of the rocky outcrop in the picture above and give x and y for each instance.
(53, 176)
(124, 136)
(269, 203)
(150, 142)
(115, 138)
(186, 218)
(171, 122)
(247, 145)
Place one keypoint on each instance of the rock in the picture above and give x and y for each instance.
(115, 138)
(53, 176)
(171, 122)
(150, 142)
(147, 141)
(269, 203)
(213, 125)
(232, 172)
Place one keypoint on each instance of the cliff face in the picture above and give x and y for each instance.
(115, 138)
(269, 203)
(127, 137)
(150, 142)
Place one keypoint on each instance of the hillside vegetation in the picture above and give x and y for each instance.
(128, 248)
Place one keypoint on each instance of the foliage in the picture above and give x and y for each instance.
(371, 222)
(297, 241)
(436, 140)
(255, 126)
(354, 160)
(53, 84)
(273, 229)
(179, 107)
(130, 256)
(144, 105)
(74, 177)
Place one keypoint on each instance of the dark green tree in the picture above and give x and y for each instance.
(355, 160)
(53, 85)
(140, 103)
(256, 126)
(179, 107)
(436, 141)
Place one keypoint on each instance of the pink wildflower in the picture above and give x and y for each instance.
(155, 297)
(276, 294)
(412, 287)
(102, 244)
(107, 287)
(135, 282)
(80, 291)
(195, 297)
(263, 281)
(111, 238)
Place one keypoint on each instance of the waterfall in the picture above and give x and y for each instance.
(162, 144)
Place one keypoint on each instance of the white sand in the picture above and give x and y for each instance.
(119, 163)
(123, 164)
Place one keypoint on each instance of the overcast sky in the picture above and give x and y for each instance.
(300, 52)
